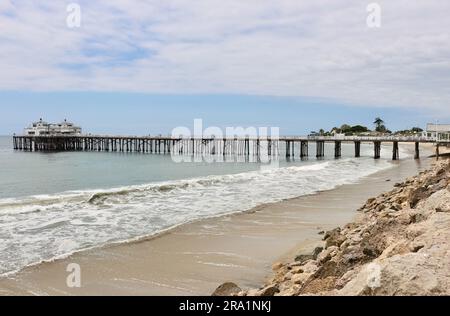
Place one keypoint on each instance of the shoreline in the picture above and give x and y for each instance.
(51, 276)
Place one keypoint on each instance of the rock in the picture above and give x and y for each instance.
(331, 233)
(401, 199)
(303, 258)
(227, 289)
(398, 246)
(355, 239)
(269, 291)
(301, 278)
(317, 252)
(441, 210)
(417, 195)
(349, 275)
(321, 232)
(417, 217)
(277, 266)
(395, 248)
(334, 238)
(370, 252)
(294, 264)
(288, 276)
(407, 275)
(416, 247)
(310, 267)
(297, 270)
(440, 172)
(327, 254)
(292, 291)
(252, 293)
(352, 258)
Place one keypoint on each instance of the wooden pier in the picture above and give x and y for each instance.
(214, 146)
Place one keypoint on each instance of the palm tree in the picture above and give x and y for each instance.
(378, 123)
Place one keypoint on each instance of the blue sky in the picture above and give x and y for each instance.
(140, 67)
(141, 114)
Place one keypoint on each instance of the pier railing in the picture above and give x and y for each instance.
(408, 139)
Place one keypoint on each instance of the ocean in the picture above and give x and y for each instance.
(55, 204)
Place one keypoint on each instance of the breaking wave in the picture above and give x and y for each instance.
(45, 227)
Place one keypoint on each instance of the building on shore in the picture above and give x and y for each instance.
(42, 128)
(437, 131)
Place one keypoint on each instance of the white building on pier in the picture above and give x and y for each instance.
(437, 131)
(42, 128)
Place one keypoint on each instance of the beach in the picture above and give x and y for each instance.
(195, 258)
(396, 246)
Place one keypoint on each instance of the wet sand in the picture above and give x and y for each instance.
(195, 258)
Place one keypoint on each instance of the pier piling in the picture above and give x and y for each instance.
(288, 149)
(395, 153)
(196, 146)
(377, 149)
(337, 149)
(320, 149)
(357, 149)
(304, 148)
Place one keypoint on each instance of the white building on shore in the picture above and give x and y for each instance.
(437, 131)
(42, 128)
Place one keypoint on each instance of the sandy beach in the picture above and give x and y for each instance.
(195, 258)
(396, 246)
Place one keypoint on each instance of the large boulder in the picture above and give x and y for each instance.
(269, 291)
(227, 289)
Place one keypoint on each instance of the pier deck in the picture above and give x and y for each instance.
(215, 146)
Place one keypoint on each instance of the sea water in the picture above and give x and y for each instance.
(55, 204)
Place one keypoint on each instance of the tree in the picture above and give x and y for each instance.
(345, 128)
(335, 130)
(321, 132)
(359, 129)
(381, 129)
(379, 125)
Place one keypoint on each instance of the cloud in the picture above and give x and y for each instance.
(281, 48)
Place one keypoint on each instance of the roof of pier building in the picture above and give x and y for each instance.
(432, 127)
(43, 128)
(40, 123)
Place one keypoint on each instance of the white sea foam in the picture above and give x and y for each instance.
(45, 227)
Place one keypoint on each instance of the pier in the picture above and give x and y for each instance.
(245, 146)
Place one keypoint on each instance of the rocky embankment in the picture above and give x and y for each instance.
(398, 245)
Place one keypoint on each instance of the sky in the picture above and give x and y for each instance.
(140, 67)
